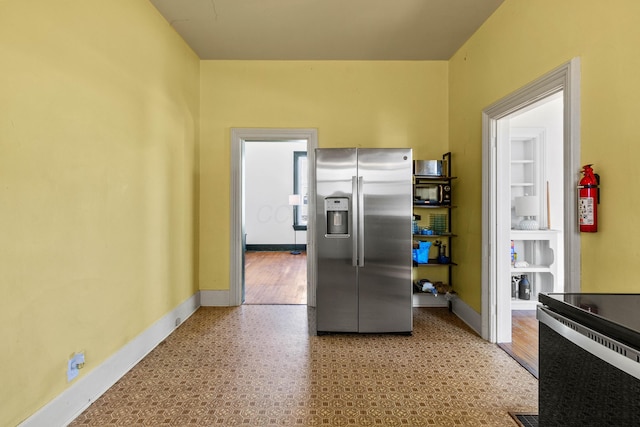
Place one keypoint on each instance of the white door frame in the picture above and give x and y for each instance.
(236, 267)
(565, 78)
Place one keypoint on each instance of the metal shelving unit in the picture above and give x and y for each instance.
(432, 199)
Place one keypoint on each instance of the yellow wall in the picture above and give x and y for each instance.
(98, 122)
(359, 104)
(523, 40)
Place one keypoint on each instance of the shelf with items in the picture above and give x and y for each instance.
(436, 222)
(432, 246)
(526, 172)
(437, 294)
(419, 206)
(432, 192)
(426, 299)
(432, 236)
(535, 255)
(433, 262)
(538, 252)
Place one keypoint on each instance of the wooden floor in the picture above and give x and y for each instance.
(275, 278)
(524, 340)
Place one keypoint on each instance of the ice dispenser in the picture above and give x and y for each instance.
(337, 214)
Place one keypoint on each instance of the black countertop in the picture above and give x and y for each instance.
(614, 315)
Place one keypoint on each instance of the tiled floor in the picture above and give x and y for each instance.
(261, 365)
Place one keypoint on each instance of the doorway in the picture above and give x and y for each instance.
(529, 181)
(276, 213)
(562, 82)
(275, 277)
(530, 209)
(239, 136)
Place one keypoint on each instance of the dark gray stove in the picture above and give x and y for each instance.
(589, 359)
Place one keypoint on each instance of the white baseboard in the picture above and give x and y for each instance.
(74, 400)
(215, 298)
(467, 314)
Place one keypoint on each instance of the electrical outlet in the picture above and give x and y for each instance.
(73, 365)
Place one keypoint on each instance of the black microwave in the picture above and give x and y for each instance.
(433, 194)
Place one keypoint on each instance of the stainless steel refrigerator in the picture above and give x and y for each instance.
(364, 241)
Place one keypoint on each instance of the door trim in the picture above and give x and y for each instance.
(565, 78)
(236, 267)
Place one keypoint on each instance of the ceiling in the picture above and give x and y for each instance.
(326, 29)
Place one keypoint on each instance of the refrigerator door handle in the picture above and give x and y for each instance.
(360, 233)
(354, 220)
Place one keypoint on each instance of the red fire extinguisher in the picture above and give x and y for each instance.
(588, 199)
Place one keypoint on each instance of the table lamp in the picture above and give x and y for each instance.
(528, 207)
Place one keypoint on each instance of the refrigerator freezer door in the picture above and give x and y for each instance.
(337, 285)
(384, 278)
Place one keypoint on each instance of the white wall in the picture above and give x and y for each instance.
(268, 184)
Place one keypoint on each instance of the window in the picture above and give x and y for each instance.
(301, 188)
